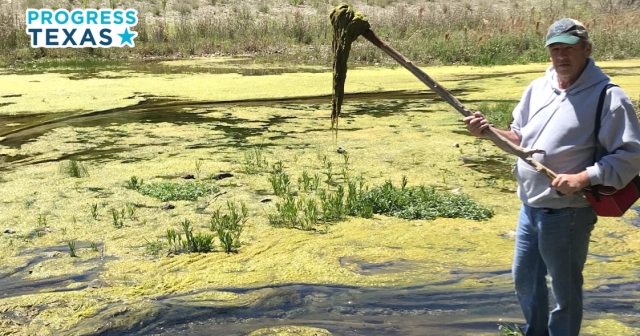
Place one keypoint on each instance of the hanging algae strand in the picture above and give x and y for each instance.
(347, 26)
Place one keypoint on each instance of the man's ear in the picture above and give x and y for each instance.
(588, 48)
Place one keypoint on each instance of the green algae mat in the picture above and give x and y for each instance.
(177, 133)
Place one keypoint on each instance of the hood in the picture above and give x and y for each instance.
(591, 76)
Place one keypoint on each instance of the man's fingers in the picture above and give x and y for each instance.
(476, 123)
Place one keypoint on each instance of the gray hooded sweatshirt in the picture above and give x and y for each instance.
(561, 122)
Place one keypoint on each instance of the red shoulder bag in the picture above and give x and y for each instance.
(609, 201)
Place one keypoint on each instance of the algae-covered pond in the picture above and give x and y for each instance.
(218, 134)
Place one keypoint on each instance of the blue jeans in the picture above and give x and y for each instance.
(554, 242)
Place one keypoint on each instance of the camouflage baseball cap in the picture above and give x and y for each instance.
(567, 31)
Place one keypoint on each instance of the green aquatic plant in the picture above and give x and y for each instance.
(198, 168)
(315, 183)
(118, 218)
(254, 161)
(418, 202)
(345, 167)
(310, 210)
(329, 173)
(196, 243)
(42, 221)
(229, 226)
(41, 225)
(286, 213)
(508, 330)
(421, 202)
(73, 168)
(177, 191)
(304, 181)
(279, 179)
(133, 183)
(304, 212)
(354, 206)
(131, 210)
(72, 248)
(174, 239)
(332, 204)
(153, 248)
(29, 202)
(94, 210)
(201, 242)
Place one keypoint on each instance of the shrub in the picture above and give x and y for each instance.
(421, 203)
(229, 226)
(280, 181)
(418, 202)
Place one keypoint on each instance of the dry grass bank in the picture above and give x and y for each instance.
(297, 31)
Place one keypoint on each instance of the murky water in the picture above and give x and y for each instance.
(432, 309)
(163, 110)
(341, 310)
(86, 70)
(497, 166)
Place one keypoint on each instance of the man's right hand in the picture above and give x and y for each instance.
(476, 123)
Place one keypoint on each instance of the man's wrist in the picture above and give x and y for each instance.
(584, 179)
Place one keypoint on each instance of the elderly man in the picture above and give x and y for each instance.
(557, 114)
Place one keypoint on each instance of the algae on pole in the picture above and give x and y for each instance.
(347, 26)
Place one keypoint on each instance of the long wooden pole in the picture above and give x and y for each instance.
(500, 141)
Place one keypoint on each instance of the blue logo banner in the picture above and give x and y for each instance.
(81, 28)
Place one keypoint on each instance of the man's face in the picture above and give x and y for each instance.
(569, 59)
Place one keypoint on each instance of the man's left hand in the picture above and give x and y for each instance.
(570, 183)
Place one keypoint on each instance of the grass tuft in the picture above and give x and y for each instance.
(73, 168)
(229, 226)
(72, 249)
(254, 161)
(118, 219)
(94, 211)
(198, 243)
(279, 179)
(133, 183)
(153, 248)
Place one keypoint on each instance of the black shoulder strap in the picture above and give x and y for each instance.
(598, 121)
(603, 95)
